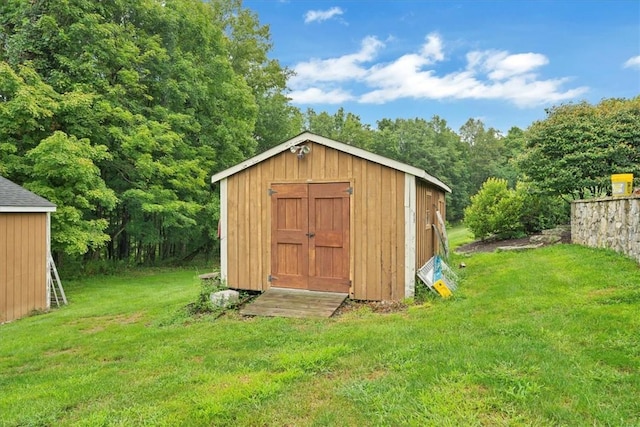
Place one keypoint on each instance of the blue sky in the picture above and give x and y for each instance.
(503, 62)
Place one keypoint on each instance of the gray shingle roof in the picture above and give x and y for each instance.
(14, 198)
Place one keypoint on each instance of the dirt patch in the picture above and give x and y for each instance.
(383, 307)
(546, 238)
(491, 245)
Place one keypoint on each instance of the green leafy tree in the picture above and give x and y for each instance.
(513, 148)
(432, 146)
(27, 109)
(486, 153)
(63, 170)
(172, 89)
(573, 152)
(342, 126)
(249, 43)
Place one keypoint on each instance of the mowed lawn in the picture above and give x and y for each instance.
(543, 337)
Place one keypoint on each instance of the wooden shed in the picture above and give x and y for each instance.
(25, 220)
(316, 214)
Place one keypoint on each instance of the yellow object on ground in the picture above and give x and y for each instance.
(442, 289)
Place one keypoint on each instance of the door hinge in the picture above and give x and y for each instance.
(349, 190)
(271, 278)
(271, 191)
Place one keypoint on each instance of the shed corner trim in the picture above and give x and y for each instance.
(409, 235)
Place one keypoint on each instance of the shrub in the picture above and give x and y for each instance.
(541, 211)
(494, 210)
(499, 211)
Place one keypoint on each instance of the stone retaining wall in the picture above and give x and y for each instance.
(612, 222)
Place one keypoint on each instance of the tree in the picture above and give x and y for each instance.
(54, 165)
(169, 91)
(486, 152)
(342, 126)
(513, 148)
(63, 171)
(573, 152)
(249, 44)
(431, 146)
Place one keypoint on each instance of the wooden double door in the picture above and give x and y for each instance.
(310, 236)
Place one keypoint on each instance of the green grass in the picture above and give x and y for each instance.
(459, 235)
(544, 337)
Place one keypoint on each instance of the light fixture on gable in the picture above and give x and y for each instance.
(300, 150)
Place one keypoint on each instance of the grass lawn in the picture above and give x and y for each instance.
(544, 337)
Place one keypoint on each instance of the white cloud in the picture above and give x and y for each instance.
(343, 68)
(314, 95)
(490, 74)
(500, 65)
(633, 62)
(432, 49)
(321, 15)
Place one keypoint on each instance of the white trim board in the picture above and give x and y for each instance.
(27, 209)
(409, 235)
(224, 216)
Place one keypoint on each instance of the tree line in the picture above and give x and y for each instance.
(120, 111)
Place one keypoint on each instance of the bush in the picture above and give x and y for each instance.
(499, 211)
(495, 210)
(540, 211)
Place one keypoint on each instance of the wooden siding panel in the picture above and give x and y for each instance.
(29, 273)
(291, 165)
(23, 251)
(317, 158)
(22, 264)
(360, 214)
(267, 173)
(11, 268)
(378, 231)
(374, 206)
(345, 166)
(425, 217)
(331, 163)
(386, 232)
(4, 259)
(243, 229)
(39, 263)
(430, 200)
(254, 239)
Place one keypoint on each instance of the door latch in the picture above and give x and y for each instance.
(311, 234)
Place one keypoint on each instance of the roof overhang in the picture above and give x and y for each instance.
(345, 148)
(27, 209)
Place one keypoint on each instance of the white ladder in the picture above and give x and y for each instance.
(56, 294)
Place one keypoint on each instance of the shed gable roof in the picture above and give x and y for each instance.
(14, 198)
(345, 148)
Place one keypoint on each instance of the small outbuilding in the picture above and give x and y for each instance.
(317, 214)
(25, 224)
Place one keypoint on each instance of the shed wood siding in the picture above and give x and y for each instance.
(377, 230)
(23, 253)
(428, 201)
